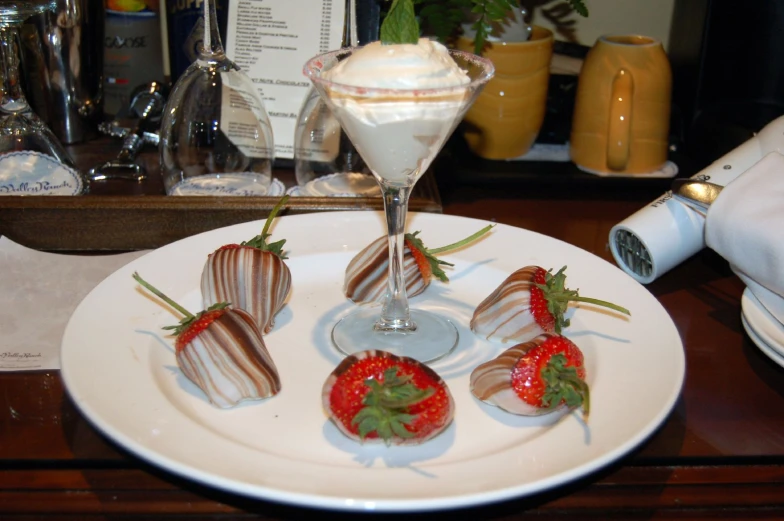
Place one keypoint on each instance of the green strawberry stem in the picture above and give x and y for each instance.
(188, 317)
(273, 213)
(563, 385)
(154, 290)
(436, 263)
(558, 298)
(260, 241)
(460, 244)
(604, 303)
(386, 404)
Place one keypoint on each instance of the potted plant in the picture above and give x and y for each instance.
(445, 18)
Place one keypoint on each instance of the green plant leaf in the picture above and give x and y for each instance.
(400, 25)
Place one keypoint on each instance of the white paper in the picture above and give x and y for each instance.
(39, 293)
(271, 40)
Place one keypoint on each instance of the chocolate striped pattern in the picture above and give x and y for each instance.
(368, 272)
(256, 281)
(229, 361)
(491, 382)
(505, 314)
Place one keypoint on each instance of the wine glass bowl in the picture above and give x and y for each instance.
(398, 132)
(216, 138)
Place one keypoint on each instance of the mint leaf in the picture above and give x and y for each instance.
(400, 25)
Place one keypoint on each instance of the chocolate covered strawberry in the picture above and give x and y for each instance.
(367, 273)
(251, 275)
(376, 396)
(531, 301)
(221, 350)
(535, 377)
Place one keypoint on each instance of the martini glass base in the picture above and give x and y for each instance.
(434, 337)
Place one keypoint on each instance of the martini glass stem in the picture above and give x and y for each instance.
(395, 313)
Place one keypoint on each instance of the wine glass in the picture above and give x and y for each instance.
(32, 159)
(326, 163)
(216, 137)
(398, 132)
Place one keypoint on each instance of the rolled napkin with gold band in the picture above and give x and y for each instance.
(745, 225)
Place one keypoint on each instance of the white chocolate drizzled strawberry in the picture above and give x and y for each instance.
(248, 278)
(229, 361)
(221, 350)
(491, 382)
(506, 313)
(367, 274)
(529, 302)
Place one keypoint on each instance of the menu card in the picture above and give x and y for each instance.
(271, 40)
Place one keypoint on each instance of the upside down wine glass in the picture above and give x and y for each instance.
(398, 133)
(29, 150)
(216, 137)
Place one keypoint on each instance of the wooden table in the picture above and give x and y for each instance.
(720, 453)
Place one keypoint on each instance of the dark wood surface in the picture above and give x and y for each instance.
(719, 454)
(119, 215)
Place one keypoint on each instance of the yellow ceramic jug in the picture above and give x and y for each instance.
(622, 110)
(507, 115)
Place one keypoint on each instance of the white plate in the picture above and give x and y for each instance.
(765, 325)
(121, 372)
(765, 348)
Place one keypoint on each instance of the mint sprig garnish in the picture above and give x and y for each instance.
(400, 25)
(444, 17)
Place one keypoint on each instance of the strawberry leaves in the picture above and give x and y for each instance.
(563, 385)
(558, 298)
(434, 262)
(386, 405)
(260, 241)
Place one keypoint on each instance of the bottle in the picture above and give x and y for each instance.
(185, 28)
(133, 54)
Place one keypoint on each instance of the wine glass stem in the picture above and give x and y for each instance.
(395, 314)
(13, 98)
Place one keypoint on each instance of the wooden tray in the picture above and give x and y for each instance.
(132, 216)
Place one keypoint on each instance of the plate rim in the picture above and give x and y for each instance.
(387, 505)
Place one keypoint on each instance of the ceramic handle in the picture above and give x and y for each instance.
(619, 131)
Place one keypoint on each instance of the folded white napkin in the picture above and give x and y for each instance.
(745, 225)
(39, 293)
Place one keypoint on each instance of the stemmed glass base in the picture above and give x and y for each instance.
(429, 338)
(398, 132)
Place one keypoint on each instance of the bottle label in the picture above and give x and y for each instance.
(133, 55)
(34, 173)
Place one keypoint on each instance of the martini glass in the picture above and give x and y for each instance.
(398, 133)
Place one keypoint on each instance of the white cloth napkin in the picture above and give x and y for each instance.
(38, 293)
(745, 225)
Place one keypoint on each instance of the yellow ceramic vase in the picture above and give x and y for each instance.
(507, 115)
(622, 110)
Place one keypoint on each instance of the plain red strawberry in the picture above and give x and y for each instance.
(374, 395)
(552, 374)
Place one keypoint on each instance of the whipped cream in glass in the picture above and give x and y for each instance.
(413, 102)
